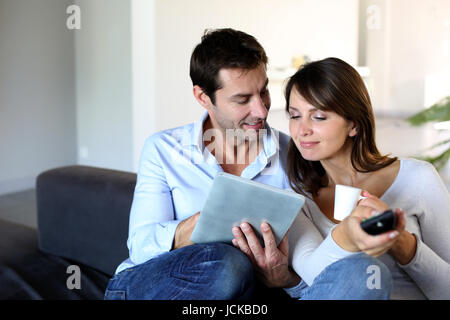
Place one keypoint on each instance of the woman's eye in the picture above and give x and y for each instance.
(293, 117)
(319, 116)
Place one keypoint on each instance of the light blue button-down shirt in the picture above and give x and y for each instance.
(175, 174)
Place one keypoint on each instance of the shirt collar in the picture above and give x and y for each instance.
(270, 140)
(193, 136)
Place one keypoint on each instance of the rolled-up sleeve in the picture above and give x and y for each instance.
(152, 219)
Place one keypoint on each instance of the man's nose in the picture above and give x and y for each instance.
(260, 109)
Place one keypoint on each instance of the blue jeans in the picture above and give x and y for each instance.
(219, 271)
(215, 271)
(357, 277)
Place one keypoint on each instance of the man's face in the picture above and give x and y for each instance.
(243, 102)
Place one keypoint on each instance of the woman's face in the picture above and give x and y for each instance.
(318, 135)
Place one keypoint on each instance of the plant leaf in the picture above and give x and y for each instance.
(437, 112)
(438, 161)
(439, 144)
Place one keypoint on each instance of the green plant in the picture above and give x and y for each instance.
(438, 112)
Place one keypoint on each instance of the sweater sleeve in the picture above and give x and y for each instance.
(430, 267)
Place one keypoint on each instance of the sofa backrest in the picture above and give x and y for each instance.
(83, 214)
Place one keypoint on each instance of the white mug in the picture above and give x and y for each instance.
(345, 200)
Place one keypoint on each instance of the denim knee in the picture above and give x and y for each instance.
(234, 272)
(371, 278)
(200, 271)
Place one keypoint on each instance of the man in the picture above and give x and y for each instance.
(177, 168)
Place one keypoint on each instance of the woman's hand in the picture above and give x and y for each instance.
(350, 236)
(405, 245)
(270, 262)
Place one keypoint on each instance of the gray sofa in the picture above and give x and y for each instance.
(83, 217)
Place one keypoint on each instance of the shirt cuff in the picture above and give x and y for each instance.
(416, 255)
(295, 291)
(166, 233)
(337, 251)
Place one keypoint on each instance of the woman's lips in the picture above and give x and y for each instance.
(308, 145)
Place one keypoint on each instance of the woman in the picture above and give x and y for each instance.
(333, 142)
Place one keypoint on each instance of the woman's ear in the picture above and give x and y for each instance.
(202, 97)
(353, 130)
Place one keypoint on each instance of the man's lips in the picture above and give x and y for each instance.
(254, 125)
(309, 144)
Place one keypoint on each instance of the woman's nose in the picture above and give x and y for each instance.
(305, 128)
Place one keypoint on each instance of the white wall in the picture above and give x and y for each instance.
(285, 28)
(103, 84)
(143, 39)
(37, 105)
(409, 55)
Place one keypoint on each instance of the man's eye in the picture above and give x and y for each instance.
(243, 101)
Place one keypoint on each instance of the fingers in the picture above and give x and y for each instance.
(372, 245)
(270, 263)
(390, 239)
(240, 242)
(270, 243)
(374, 203)
(367, 194)
(248, 243)
(363, 212)
(381, 245)
(394, 235)
(269, 239)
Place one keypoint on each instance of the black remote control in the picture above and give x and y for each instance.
(380, 223)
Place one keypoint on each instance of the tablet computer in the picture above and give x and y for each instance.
(233, 200)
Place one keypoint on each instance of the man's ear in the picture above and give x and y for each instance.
(202, 97)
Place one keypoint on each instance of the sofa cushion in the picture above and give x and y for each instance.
(83, 214)
(26, 273)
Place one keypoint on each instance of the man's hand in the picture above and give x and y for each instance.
(184, 231)
(270, 262)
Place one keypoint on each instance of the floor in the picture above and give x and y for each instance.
(393, 136)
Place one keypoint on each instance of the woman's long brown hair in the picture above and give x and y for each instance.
(333, 85)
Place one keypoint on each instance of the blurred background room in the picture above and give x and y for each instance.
(87, 81)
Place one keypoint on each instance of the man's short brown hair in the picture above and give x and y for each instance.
(219, 49)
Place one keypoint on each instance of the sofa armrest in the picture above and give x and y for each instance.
(83, 214)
